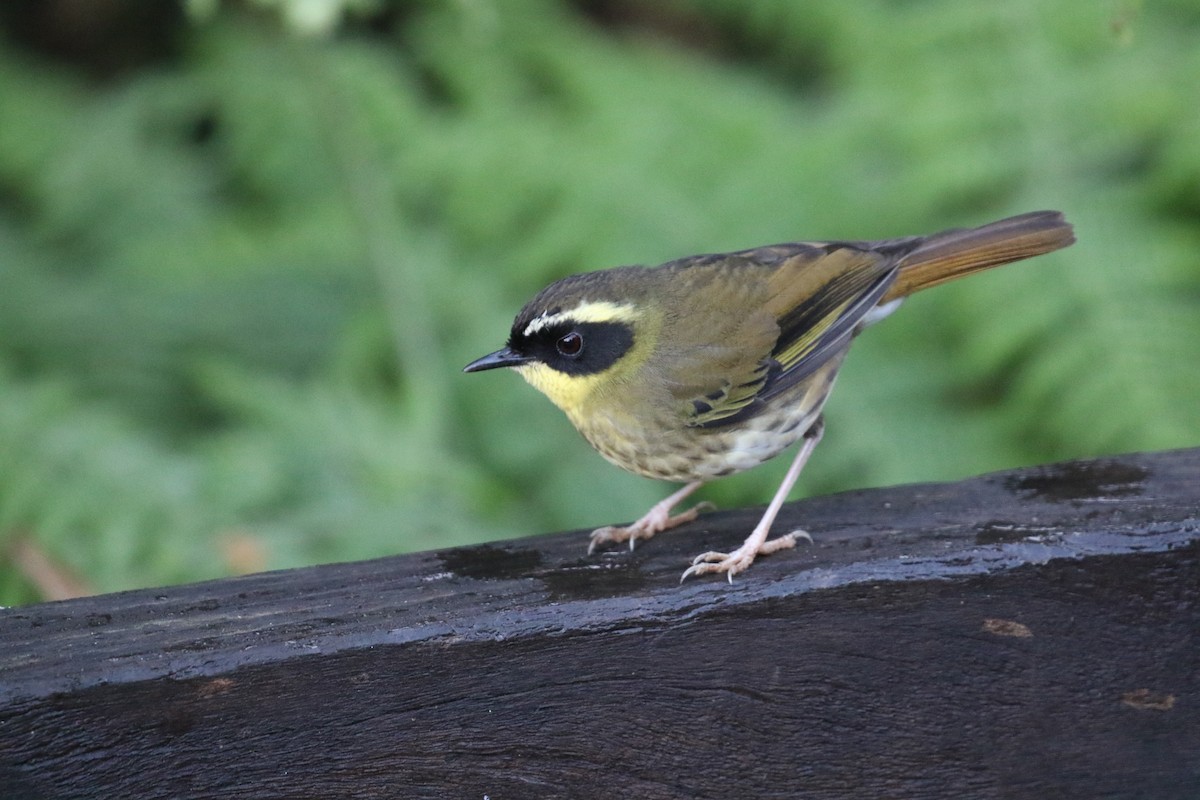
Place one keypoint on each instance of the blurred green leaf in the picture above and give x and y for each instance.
(239, 278)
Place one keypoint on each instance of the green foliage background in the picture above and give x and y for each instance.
(245, 253)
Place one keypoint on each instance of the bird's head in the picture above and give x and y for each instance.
(580, 338)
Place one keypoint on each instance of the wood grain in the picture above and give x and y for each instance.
(1025, 634)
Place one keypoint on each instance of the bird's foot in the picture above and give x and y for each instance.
(739, 560)
(657, 519)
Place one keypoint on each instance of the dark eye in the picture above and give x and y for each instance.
(570, 345)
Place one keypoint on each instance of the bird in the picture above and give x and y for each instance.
(713, 364)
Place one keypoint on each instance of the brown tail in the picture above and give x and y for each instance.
(951, 254)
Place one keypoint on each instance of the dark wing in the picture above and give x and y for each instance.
(712, 365)
(816, 295)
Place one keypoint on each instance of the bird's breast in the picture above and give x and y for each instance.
(666, 449)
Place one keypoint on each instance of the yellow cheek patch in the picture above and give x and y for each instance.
(580, 395)
(568, 392)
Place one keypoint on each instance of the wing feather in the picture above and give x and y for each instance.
(786, 310)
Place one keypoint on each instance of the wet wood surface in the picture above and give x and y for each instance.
(1025, 634)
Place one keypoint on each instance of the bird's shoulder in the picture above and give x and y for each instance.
(751, 323)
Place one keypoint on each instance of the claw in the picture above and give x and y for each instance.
(657, 519)
(740, 560)
(756, 543)
(799, 534)
(602, 535)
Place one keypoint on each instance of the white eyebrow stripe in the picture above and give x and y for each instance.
(602, 311)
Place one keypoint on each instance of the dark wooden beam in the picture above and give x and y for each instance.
(1032, 634)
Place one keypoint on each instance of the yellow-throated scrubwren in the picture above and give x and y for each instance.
(710, 365)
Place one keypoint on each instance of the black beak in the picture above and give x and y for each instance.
(501, 358)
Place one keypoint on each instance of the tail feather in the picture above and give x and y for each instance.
(952, 254)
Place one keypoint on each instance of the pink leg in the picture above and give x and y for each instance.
(756, 543)
(658, 518)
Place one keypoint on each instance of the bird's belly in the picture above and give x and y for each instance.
(701, 454)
